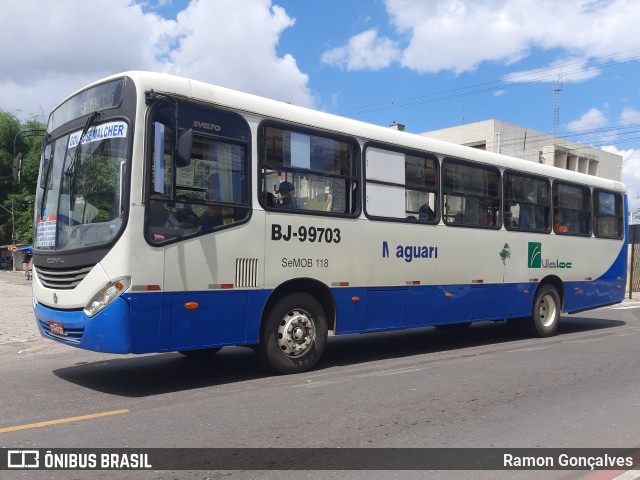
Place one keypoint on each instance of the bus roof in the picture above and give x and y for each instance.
(276, 110)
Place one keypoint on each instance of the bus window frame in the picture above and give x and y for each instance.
(595, 203)
(555, 208)
(526, 175)
(411, 152)
(184, 123)
(262, 167)
(499, 188)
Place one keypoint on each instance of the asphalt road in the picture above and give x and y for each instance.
(416, 388)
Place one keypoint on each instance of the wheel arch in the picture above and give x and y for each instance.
(557, 283)
(320, 291)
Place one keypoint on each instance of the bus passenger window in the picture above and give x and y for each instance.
(471, 194)
(571, 209)
(308, 171)
(526, 205)
(608, 216)
(401, 185)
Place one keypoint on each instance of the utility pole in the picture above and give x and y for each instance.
(13, 232)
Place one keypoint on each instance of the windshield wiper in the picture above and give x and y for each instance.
(90, 121)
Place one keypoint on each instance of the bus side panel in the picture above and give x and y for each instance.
(466, 303)
(150, 314)
(608, 289)
(350, 313)
(218, 320)
(385, 309)
(419, 306)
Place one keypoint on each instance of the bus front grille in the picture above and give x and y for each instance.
(73, 335)
(246, 272)
(62, 279)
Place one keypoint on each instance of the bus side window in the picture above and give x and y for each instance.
(571, 209)
(401, 185)
(526, 204)
(608, 217)
(306, 171)
(471, 194)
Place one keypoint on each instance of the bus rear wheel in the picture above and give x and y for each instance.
(294, 334)
(546, 312)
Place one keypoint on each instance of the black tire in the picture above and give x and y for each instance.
(293, 334)
(454, 327)
(545, 315)
(200, 354)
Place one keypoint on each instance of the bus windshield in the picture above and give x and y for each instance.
(79, 201)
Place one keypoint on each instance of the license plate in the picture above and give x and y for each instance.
(56, 328)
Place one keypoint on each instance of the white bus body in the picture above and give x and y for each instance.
(354, 254)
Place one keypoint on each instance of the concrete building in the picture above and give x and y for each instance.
(515, 141)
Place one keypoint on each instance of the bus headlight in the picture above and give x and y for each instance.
(107, 295)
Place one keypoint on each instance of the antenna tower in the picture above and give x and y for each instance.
(557, 88)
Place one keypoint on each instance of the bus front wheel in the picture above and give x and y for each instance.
(294, 334)
(546, 312)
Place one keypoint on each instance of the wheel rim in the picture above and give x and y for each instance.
(547, 311)
(296, 333)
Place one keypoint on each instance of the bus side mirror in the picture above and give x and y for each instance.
(17, 168)
(183, 150)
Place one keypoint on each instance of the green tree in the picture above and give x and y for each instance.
(26, 137)
(504, 254)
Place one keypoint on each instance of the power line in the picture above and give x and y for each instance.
(494, 85)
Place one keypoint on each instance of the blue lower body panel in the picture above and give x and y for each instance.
(107, 331)
(419, 306)
(160, 322)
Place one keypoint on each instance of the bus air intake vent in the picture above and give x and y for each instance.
(246, 272)
(62, 279)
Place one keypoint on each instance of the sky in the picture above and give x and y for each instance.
(428, 64)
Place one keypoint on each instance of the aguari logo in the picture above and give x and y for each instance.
(535, 260)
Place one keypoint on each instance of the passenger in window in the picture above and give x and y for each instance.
(508, 220)
(287, 195)
(211, 218)
(425, 214)
(558, 223)
(485, 217)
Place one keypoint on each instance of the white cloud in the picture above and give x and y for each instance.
(73, 42)
(630, 175)
(458, 35)
(365, 51)
(594, 118)
(235, 47)
(568, 70)
(592, 127)
(630, 117)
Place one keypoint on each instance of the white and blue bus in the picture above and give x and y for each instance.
(173, 215)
